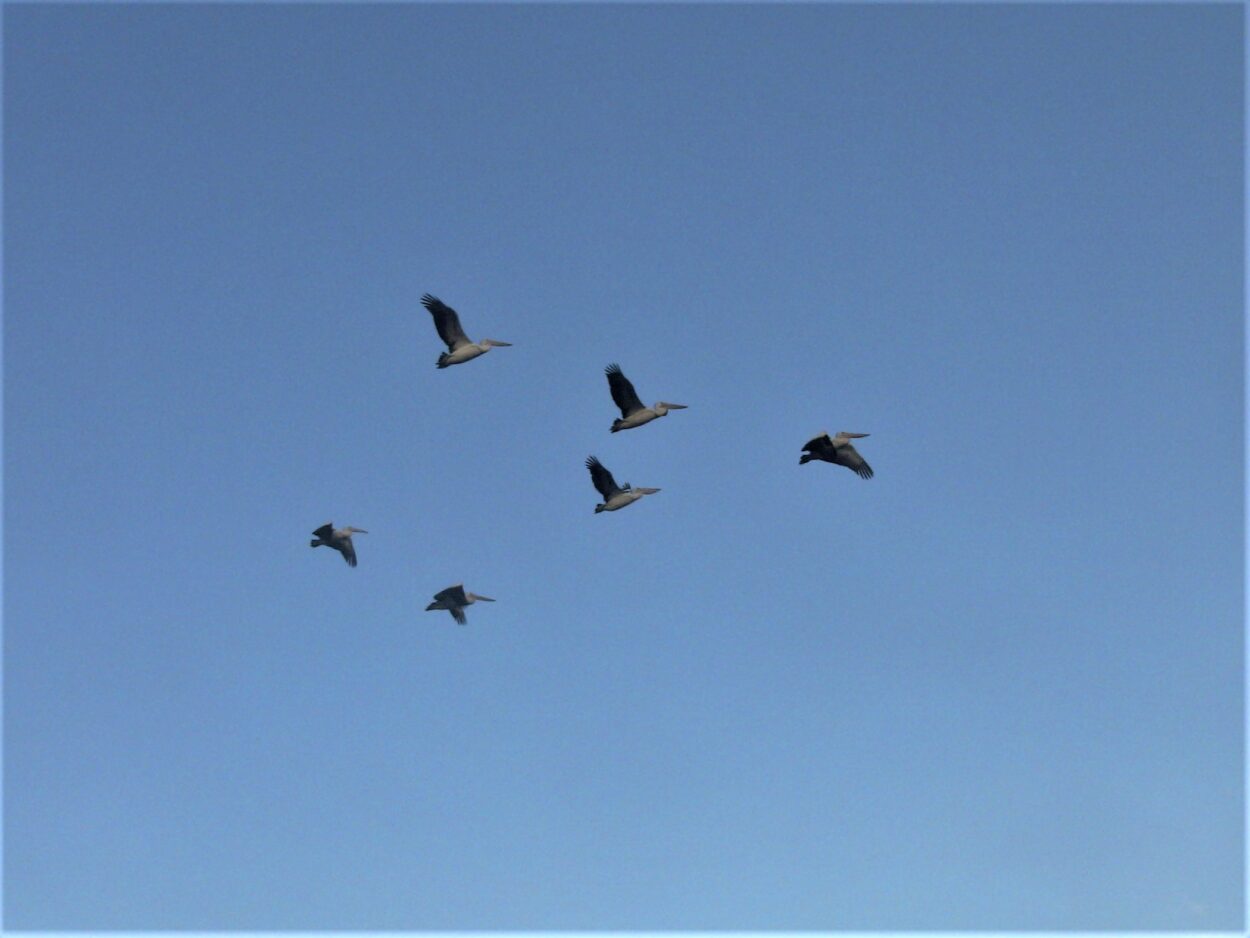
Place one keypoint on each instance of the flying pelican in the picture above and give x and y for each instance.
(837, 450)
(614, 496)
(633, 414)
(454, 599)
(340, 540)
(459, 348)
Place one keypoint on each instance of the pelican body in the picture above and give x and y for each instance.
(615, 497)
(459, 348)
(340, 540)
(454, 599)
(837, 450)
(633, 414)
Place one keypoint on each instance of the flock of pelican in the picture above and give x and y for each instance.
(832, 449)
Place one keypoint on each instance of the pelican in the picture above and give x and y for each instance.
(459, 348)
(340, 540)
(614, 496)
(454, 599)
(633, 414)
(837, 450)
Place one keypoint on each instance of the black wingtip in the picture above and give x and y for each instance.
(591, 462)
(612, 369)
(429, 300)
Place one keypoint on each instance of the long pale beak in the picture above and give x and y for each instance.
(497, 342)
(359, 531)
(674, 406)
(486, 598)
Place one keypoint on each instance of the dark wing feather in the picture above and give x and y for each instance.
(458, 614)
(623, 392)
(454, 593)
(446, 322)
(820, 446)
(349, 552)
(324, 531)
(602, 478)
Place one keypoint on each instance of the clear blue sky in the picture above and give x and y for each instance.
(997, 686)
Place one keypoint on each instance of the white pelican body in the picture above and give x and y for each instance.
(623, 499)
(459, 348)
(837, 450)
(615, 496)
(467, 352)
(633, 414)
(454, 599)
(646, 415)
(340, 540)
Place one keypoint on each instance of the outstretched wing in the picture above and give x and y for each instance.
(349, 552)
(324, 531)
(453, 593)
(818, 445)
(458, 614)
(623, 392)
(446, 322)
(849, 456)
(602, 478)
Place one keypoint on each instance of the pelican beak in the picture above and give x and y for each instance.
(359, 531)
(497, 342)
(485, 598)
(674, 406)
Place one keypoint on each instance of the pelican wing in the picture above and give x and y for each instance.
(458, 614)
(453, 594)
(623, 392)
(848, 456)
(446, 322)
(324, 531)
(349, 552)
(818, 444)
(602, 478)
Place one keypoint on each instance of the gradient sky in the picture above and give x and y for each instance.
(997, 686)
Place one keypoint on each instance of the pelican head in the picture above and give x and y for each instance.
(662, 407)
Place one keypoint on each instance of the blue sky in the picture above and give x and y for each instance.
(998, 686)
